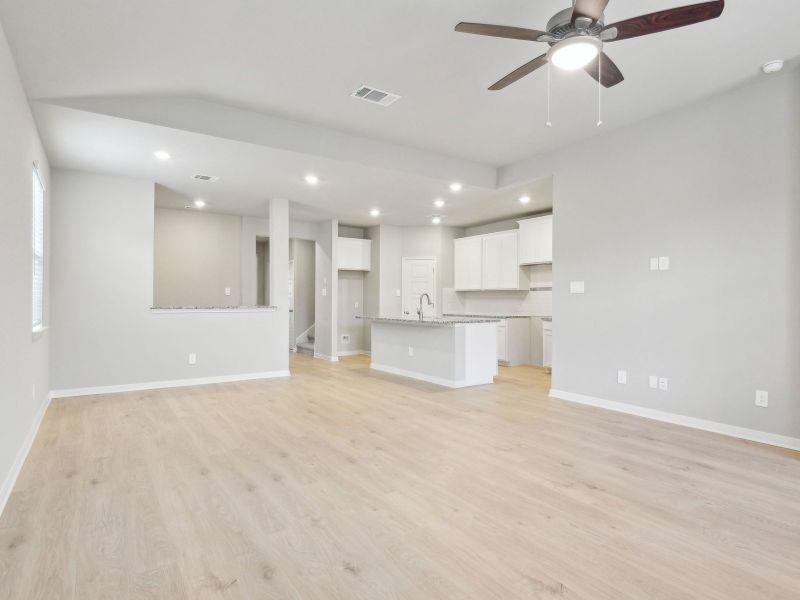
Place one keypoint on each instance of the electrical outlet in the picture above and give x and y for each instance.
(324, 291)
(345, 338)
(576, 287)
(397, 293)
(654, 382)
(663, 263)
(410, 351)
(663, 384)
(654, 263)
(622, 377)
(227, 291)
(762, 398)
(192, 358)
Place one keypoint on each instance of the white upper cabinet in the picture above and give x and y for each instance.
(536, 240)
(500, 264)
(354, 254)
(487, 262)
(468, 258)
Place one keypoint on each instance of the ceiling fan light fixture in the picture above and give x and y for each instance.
(575, 52)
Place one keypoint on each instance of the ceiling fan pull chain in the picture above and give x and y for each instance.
(549, 123)
(599, 91)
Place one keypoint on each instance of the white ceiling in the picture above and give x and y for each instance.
(301, 60)
(251, 173)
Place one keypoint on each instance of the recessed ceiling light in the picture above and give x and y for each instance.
(199, 203)
(436, 219)
(575, 52)
(375, 212)
(772, 66)
(524, 199)
(438, 203)
(162, 155)
(312, 179)
(455, 187)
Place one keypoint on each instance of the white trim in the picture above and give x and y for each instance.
(434, 299)
(450, 383)
(19, 461)
(353, 352)
(155, 385)
(326, 357)
(254, 309)
(753, 435)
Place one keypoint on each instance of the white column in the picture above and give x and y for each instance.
(279, 268)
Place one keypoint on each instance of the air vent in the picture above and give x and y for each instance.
(199, 177)
(375, 96)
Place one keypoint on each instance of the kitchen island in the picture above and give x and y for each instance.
(452, 351)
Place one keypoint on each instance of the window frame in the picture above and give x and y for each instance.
(37, 251)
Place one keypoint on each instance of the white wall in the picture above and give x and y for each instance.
(326, 308)
(716, 187)
(302, 252)
(197, 256)
(24, 359)
(102, 278)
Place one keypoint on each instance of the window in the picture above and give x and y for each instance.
(38, 250)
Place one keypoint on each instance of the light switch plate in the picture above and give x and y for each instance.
(397, 293)
(356, 303)
(576, 287)
(622, 377)
(227, 291)
(762, 398)
(663, 263)
(324, 291)
(654, 263)
(654, 382)
(410, 351)
(192, 358)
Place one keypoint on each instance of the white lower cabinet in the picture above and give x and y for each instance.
(514, 341)
(547, 344)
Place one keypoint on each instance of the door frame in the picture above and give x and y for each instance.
(403, 269)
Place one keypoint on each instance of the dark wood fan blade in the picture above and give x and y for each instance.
(525, 69)
(503, 31)
(610, 73)
(589, 9)
(664, 20)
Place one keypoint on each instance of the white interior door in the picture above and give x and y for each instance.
(419, 277)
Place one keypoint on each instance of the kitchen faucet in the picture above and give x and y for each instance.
(419, 310)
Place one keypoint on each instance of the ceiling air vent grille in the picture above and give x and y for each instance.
(375, 96)
(199, 177)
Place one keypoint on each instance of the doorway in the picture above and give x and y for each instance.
(418, 278)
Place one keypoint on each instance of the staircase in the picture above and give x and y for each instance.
(306, 347)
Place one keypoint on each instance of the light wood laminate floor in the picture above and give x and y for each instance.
(344, 483)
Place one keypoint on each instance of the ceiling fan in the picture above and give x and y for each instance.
(576, 36)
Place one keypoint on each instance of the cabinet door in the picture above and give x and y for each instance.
(500, 264)
(502, 343)
(536, 240)
(468, 261)
(354, 254)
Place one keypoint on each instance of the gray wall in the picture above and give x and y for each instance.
(102, 278)
(351, 291)
(24, 359)
(716, 187)
(197, 256)
(302, 252)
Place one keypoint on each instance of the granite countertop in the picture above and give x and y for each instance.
(430, 322)
(548, 319)
(257, 308)
(489, 316)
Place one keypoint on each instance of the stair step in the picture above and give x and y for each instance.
(306, 348)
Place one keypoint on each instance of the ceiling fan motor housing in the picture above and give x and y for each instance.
(561, 27)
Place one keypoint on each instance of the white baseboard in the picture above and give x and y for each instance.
(451, 383)
(326, 357)
(22, 454)
(354, 353)
(154, 385)
(753, 435)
